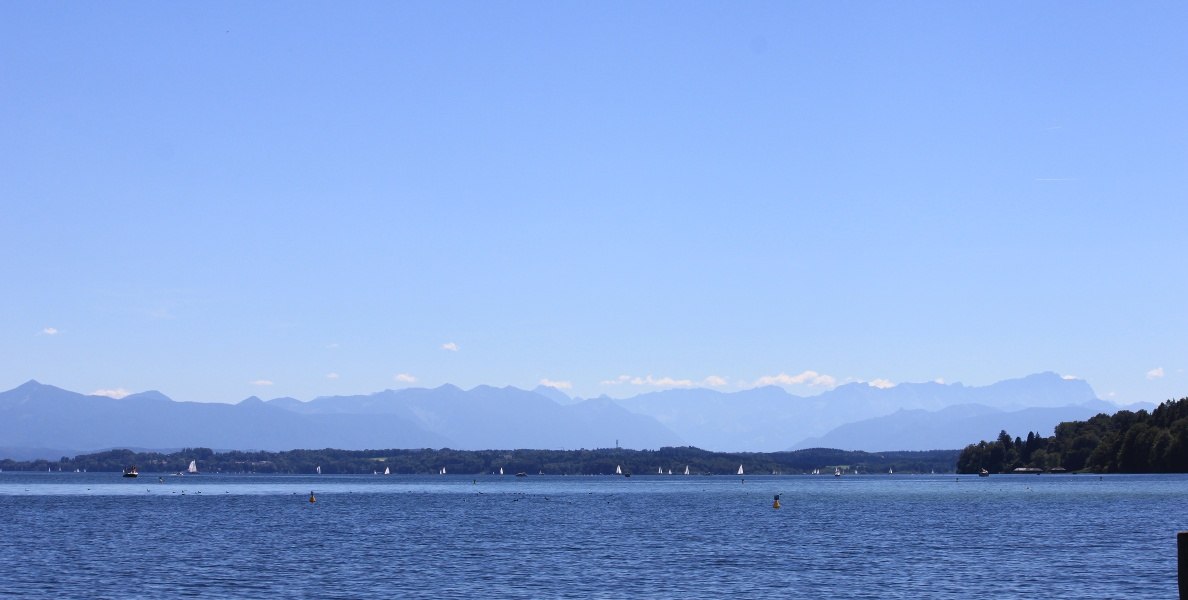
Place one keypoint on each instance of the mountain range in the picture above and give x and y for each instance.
(43, 421)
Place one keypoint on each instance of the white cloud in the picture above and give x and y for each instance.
(404, 378)
(714, 381)
(940, 380)
(650, 381)
(1155, 373)
(1069, 377)
(260, 382)
(810, 378)
(116, 393)
(50, 331)
(661, 381)
(451, 346)
(561, 385)
(331, 375)
(882, 384)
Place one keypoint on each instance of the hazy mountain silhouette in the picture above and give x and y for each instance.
(37, 416)
(770, 419)
(952, 427)
(855, 416)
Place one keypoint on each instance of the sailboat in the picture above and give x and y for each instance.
(618, 470)
(740, 471)
(443, 470)
(670, 471)
(501, 470)
(387, 471)
(193, 468)
(890, 471)
(659, 470)
(837, 471)
(686, 469)
(319, 469)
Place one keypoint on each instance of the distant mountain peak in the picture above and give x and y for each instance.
(553, 394)
(148, 395)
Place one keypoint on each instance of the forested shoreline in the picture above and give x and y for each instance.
(475, 462)
(1125, 442)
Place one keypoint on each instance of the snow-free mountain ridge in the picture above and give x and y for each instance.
(857, 416)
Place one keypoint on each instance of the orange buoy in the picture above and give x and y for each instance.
(311, 497)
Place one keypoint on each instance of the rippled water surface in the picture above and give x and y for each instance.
(66, 535)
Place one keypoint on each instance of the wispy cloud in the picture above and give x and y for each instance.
(50, 331)
(261, 382)
(451, 346)
(1069, 377)
(940, 380)
(808, 377)
(882, 384)
(649, 381)
(116, 393)
(561, 385)
(331, 375)
(662, 382)
(1155, 373)
(404, 378)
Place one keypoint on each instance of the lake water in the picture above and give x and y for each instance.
(66, 535)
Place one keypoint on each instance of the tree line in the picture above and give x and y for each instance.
(1125, 442)
(602, 461)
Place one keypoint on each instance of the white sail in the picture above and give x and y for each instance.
(740, 471)
(618, 470)
(387, 471)
(686, 469)
(193, 468)
(501, 470)
(659, 470)
(319, 469)
(670, 471)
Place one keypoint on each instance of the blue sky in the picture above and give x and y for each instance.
(219, 200)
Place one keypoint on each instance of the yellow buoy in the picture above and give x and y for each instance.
(776, 502)
(311, 497)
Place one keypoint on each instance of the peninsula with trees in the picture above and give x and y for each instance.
(1125, 442)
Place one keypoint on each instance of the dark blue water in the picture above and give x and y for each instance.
(213, 536)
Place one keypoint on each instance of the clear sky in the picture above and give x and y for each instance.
(224, 199)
